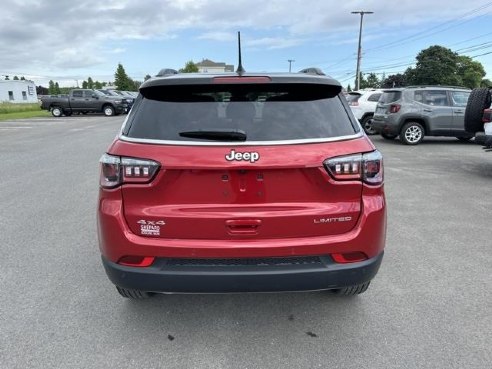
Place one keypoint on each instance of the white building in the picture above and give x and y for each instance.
(208, 66)
(18, 91)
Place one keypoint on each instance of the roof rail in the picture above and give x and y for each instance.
(166, 71)
(312, 70)
(445, 86)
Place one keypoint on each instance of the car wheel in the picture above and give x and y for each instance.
(478, 101)
(412, 133)
(108, 110)
(387, 136)
(352, 290)
(366, 123)
(56, 111)
(134, 294)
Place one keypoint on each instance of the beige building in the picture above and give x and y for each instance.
(208, 66)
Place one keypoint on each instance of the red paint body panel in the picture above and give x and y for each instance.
(200, 214)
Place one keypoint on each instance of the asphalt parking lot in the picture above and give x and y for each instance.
(429, 306)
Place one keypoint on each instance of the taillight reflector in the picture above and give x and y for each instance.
(487, 116)
(136, 261)
(394, 108)
(367, 167)
(349, 257)
(117, 170)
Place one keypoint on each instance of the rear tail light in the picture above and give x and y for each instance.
(136, 261)
(367, 167)
(349, 257)
(116, 170)
(354, 103)
(394, 108)
(487, 116)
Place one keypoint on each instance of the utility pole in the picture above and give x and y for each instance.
(290, 63)
(359, 49)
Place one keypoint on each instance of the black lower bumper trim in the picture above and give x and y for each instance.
(166, 277)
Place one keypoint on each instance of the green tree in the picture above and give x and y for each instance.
(85, 84)
(57, 88)
(147, 77)
(349, 89)
(438, 65)
(22, 78)
(90, 83)
(136, 85)
(372, 81)
(16, 78)
(51, 88)
(190, 67)
(485, 83)
(121, 79)
(394, 80)
(435, 65)
(98, 85)
(470, 71)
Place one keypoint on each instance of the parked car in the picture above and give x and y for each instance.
(363, 104)
(276, 190)
(478, 117)
(418, 111)
(84, 101)
(129, 99)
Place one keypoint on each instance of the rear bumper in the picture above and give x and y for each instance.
(167, 277)
(381, 126)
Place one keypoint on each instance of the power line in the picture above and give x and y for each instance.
(425, 33)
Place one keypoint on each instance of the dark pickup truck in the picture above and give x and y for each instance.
(84, 101)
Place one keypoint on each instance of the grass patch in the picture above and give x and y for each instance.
(10, 111)
(6, 108)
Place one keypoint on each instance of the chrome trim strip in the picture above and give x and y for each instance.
(235, 143)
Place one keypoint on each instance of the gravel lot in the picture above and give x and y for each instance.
(429, 306)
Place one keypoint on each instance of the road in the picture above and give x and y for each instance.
(429, 306)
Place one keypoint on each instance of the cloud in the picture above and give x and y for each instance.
(53, 36)
(273, 43)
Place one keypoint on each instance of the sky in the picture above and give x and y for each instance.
(67, 41)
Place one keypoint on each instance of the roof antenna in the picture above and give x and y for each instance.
(240, 70)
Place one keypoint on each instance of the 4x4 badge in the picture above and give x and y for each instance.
(246, 156)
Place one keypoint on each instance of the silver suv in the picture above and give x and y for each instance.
(418, 111)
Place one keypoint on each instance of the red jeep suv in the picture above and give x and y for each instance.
(241, 182)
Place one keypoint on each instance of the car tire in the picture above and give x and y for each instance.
(56, 111)
(133, 294)
(479, 100)
(388, 136)
(412, 133)
(366, 123)
(108, 110)
(352, 290)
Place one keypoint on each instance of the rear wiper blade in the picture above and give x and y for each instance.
(216, 134)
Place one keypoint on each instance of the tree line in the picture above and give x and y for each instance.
(122, 81)
(436, 65)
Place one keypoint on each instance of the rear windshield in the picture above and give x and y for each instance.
(390, 96)
(245, 113)
(352, 97)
